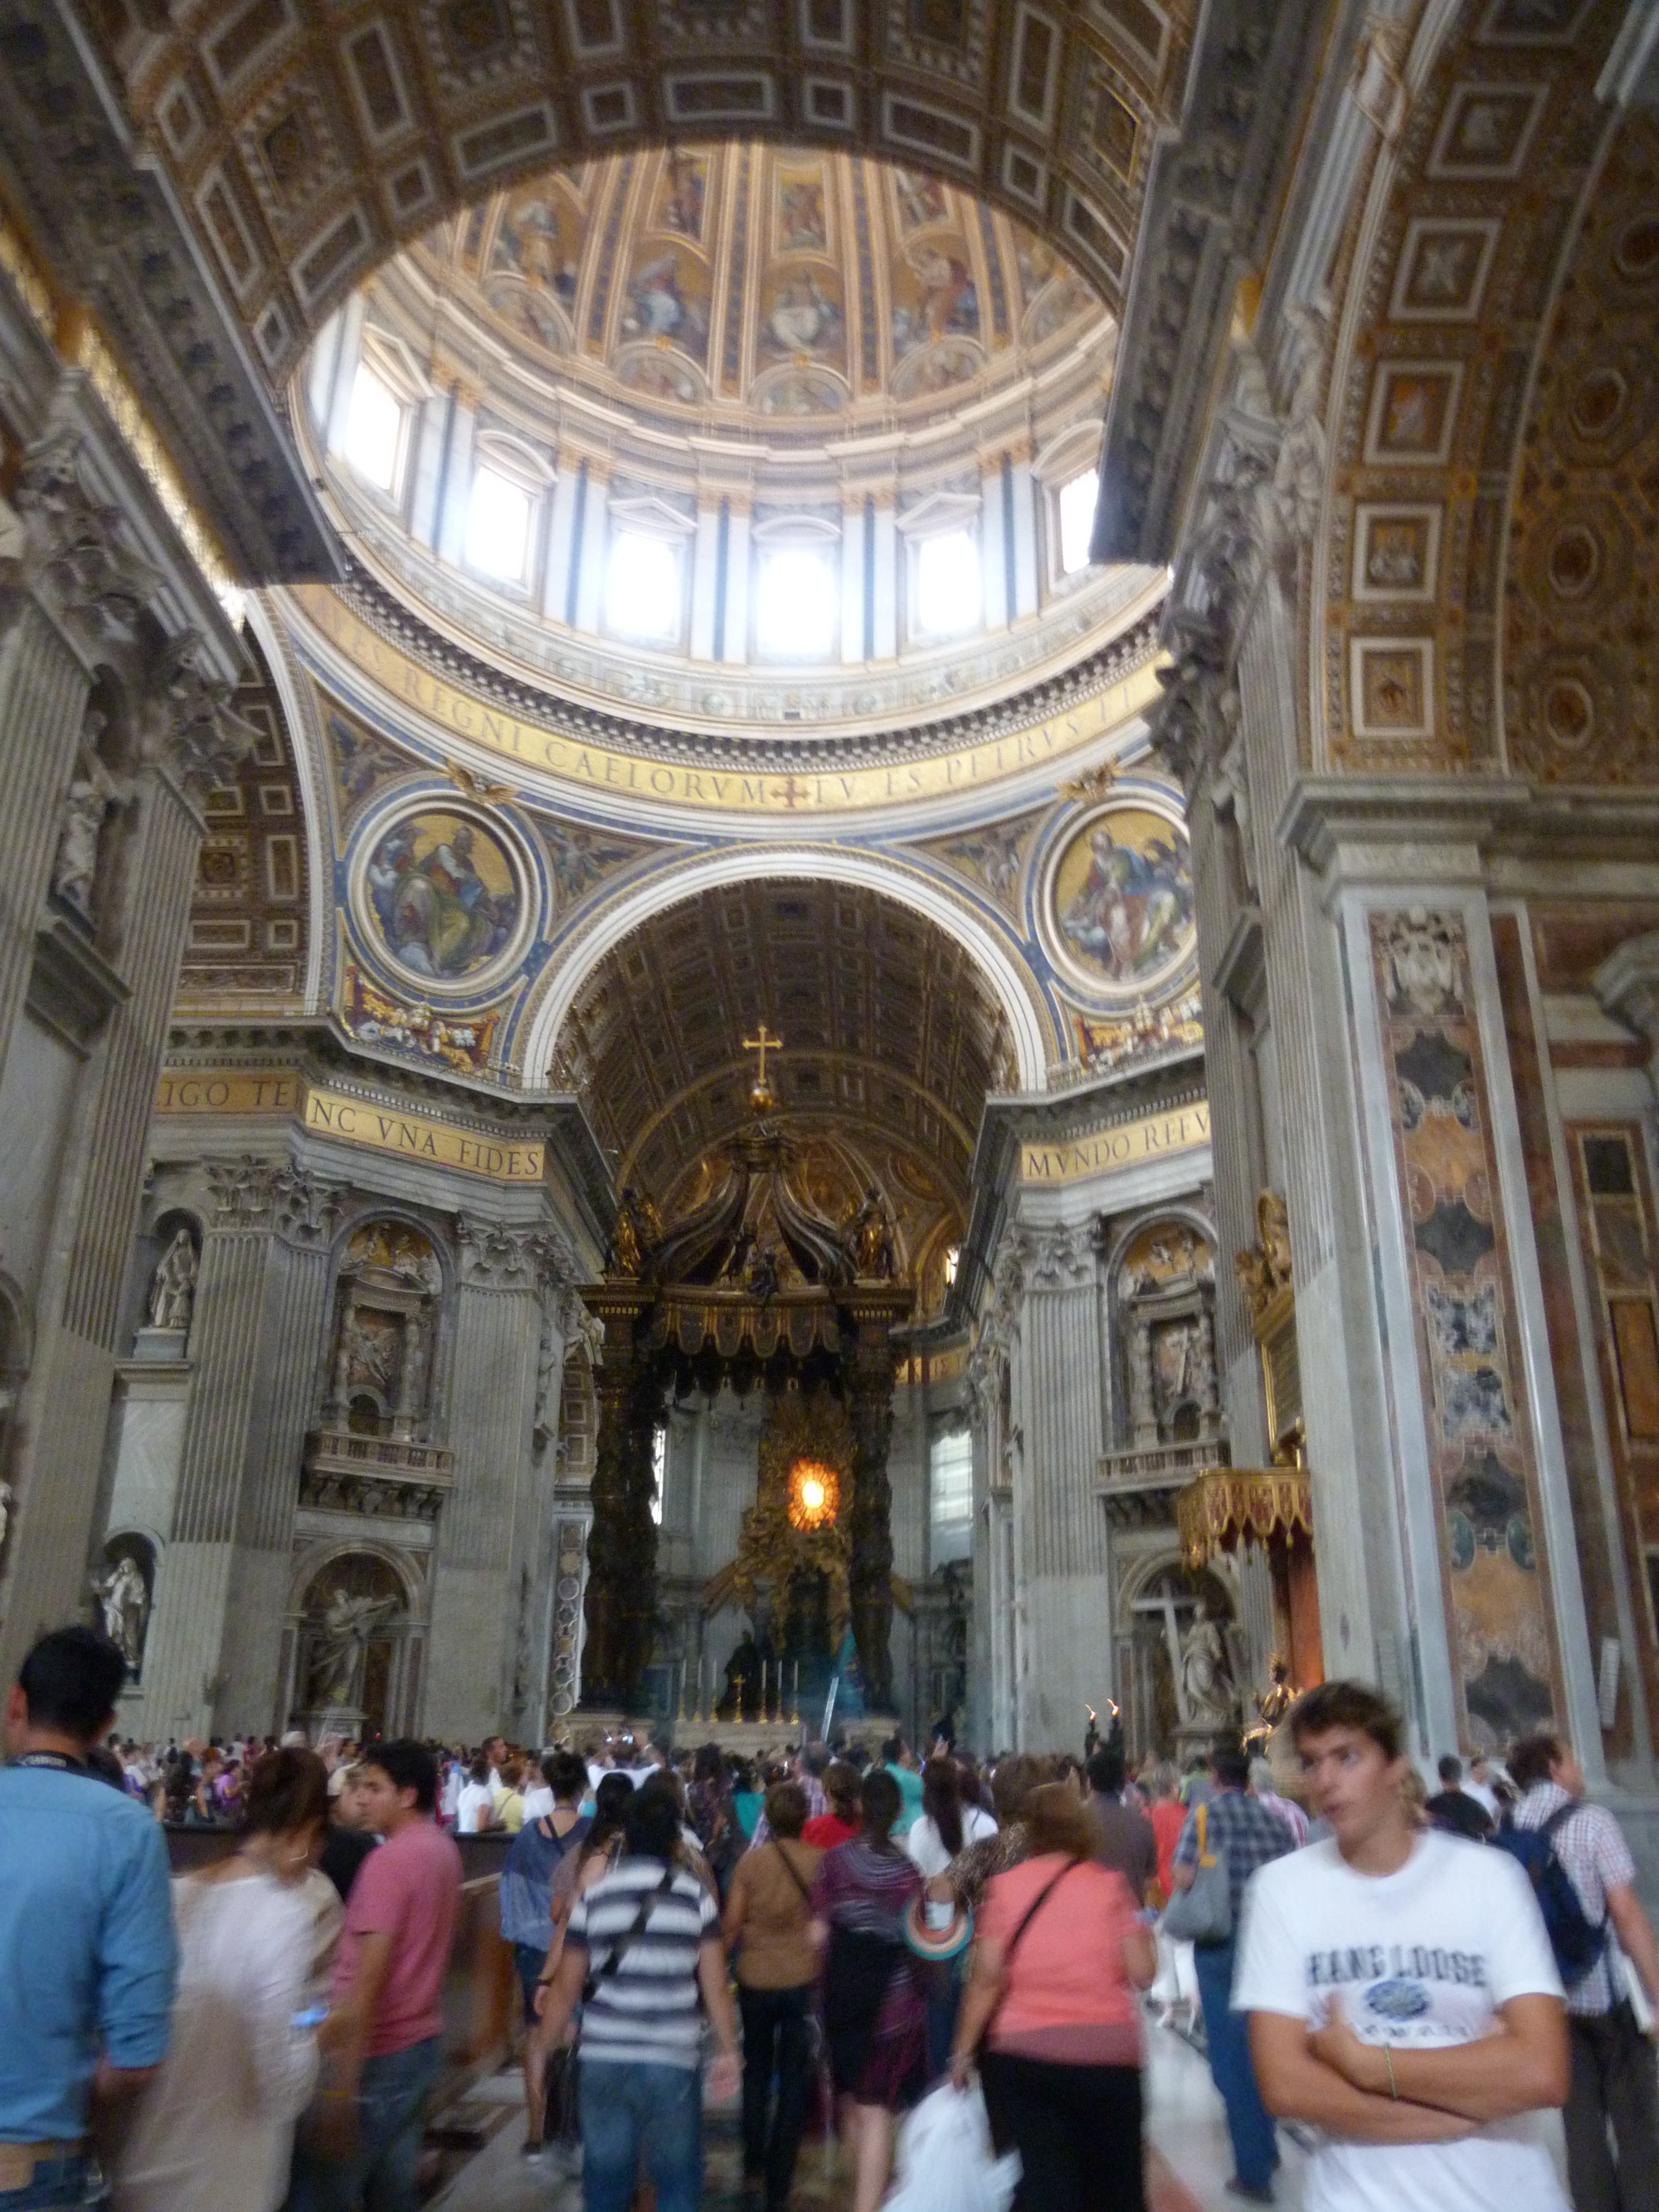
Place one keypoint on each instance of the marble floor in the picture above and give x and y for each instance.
(1188, 2159)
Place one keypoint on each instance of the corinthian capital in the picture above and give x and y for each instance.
(191, 728)
(1061, 1259)
(242, 1192)
(72, 548)
(501, 1256)
(303, 1206)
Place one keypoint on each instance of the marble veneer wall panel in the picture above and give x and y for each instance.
(1482, 1454)
(1551, 1231)
(1621, 1256)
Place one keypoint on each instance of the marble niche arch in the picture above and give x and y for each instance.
(994, 949)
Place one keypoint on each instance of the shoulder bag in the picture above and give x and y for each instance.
(625, 1941)
(1023, 1923)
(1203, 1913)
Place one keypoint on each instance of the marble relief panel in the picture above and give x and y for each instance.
(1480, 1446)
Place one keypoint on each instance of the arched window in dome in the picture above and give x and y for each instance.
(1076, 504)
(498, 519)
(795, 604)
(949, 589)
(375, 436)
(643, 588)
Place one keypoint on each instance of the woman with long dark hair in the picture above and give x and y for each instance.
(943, 1827)
(874, 2013)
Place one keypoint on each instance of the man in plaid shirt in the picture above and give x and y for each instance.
(1251, 1835)
(1613, 2074)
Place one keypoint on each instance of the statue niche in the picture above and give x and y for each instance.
(386, 1318)
(1166, 1312)
(352, 1638)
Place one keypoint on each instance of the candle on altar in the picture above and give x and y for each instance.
(794, 1694)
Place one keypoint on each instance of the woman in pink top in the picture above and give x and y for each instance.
(1061, 1953)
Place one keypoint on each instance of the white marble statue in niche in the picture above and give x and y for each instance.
(172, 1287)
(124, 1606)
(339, 1646)
(94, 793)
(1208, 1690)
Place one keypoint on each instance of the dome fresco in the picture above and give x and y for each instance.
(773, 283)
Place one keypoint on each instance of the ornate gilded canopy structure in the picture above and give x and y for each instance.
(751, 1285)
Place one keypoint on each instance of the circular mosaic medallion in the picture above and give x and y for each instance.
(444, 896)
(1117, 903)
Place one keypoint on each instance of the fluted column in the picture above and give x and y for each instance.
(228, 1340)
(1060, 1535)
(870, 1571)
(189, 740)
(485, 1529)
(295, 1307)
(42, 693)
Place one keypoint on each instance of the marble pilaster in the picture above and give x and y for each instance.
(186, 737)
(1060, 1536)
(184, 1674)
(488, 1533)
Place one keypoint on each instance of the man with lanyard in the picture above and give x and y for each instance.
(85, 1926)
(1251, 1836)
(1401, 1994)
(1612, 2061)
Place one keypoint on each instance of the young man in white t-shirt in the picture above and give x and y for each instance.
(1402, 1996)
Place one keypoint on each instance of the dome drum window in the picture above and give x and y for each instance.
(793, 395)
(503, 509)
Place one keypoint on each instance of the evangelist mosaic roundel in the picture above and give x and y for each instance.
(1119, 908)
(442, 896)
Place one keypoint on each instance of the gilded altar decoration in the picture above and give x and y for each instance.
(1264, 1271)
(814, 1494)
(1230, 1505)
(791, 1571)
(1269, 1292)
(460, 1041)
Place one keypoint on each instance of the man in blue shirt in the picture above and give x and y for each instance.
(88, 1962)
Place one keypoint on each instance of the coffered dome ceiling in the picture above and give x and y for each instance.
(764, 287)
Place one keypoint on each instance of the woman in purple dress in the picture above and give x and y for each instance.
(874, 2011)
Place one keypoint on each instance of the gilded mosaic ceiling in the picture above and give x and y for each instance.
(890, 1035)
(774, 285)
(307, 142)
(249, 915)
(1465, 224)
(1580, 611)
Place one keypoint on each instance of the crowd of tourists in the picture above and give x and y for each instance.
(1415, 1977)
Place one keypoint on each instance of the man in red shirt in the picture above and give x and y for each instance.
(385, 2032)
